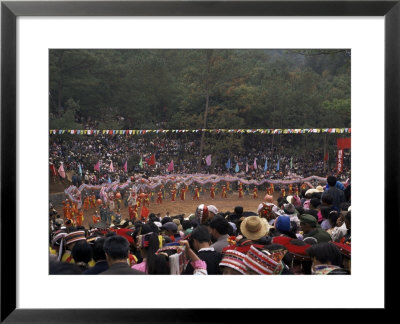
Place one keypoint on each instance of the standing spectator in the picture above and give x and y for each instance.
(200, 242)
(218, 228)
(310, 228)
(82, 254)
(116, 249)
(338, 196)
(99, 257)
(327, 259)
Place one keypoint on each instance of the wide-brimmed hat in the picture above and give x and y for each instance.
(310, 191)
(235, 260)
(254, 227)
(319, 189)
(262, 263)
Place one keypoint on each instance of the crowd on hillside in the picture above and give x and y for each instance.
(308, 233)
(80, 154)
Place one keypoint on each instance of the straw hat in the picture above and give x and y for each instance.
(254, 227)
(310, 191)
(319, 189)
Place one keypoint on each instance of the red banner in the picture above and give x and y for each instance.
(339, 165)
(343, 143)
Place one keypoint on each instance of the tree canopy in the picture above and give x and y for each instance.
(152, 89)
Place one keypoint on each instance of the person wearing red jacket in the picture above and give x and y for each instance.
(196, 193)
(212, 191)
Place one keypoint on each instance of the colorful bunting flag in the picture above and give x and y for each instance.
(238, 131)
(61, 171)
(152, 160)
(171, 166)
(97, 166)
(53, 169)
(141, 163)
(228, 164)
(208, 160)
(126, 166)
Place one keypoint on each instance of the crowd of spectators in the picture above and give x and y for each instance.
(303, 234)
(80, 153)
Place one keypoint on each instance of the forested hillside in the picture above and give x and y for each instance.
(151, 89)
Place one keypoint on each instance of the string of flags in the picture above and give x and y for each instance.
(216, 131)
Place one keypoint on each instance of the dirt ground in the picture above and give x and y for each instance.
(188, 206)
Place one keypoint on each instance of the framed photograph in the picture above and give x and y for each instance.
(35, 35)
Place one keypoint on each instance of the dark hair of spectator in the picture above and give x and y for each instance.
(300, 209)
(344, 206)
(331, 181)
(347, 193)
(325, 210)
(82, 252)
(201, 234)
(348, 217)
(117, 247)
(327, 199)
(98, 249)
(220, 224)
(333, 217)
(166, 219)
(325, 252)
(186, 224)
(158, 265)
(315, 202)
(153, 218)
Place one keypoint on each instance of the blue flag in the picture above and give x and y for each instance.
(277, 166)
(80, 169)
(237, 168)
(266, 165)
(228, 164)
(109, 180)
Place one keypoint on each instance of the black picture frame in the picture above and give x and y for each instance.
(10, 10)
